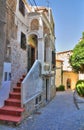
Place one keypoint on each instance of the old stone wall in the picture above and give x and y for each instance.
(64, 56)
(11, 28)
(31, 105)
(18, 61)
(2, 36)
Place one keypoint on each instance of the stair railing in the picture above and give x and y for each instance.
(32, 84)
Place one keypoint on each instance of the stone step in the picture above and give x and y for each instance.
(17, 89)
(10, 110)
(13, 102)
(15, 95)
(19, 84)
(14, 119)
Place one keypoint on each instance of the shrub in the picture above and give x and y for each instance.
(61, 88)
(80, 87)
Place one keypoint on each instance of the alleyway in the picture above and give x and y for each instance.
(59, 114)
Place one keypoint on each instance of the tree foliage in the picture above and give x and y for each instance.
(77, 58)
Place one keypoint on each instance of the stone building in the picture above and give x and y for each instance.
(64, 73)
(29, 53)
(2, 36)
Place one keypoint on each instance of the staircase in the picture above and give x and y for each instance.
(12, 110)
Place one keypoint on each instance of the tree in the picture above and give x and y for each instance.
(77, 58)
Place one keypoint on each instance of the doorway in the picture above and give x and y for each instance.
(32, 50)
(31, 56)
(47, 86)
(68, 83)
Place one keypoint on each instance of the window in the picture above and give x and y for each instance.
(40, 98)
(53, 59)
(5, 77)
(23, 41)
(34, 24)
(36, 101)
(9, 76)
(21, 7)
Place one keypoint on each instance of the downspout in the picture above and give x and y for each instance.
(62, 73)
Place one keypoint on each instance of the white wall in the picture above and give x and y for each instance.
(5, 89)
(7, 68)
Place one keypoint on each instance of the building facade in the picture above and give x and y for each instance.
(64, 72)
(30, 51)
(2, 37)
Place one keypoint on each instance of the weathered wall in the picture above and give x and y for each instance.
(31, 106)
(52, 88)
(2, 36)
(67, 70)
(58, 78)
(65, 57)
(11, 28)
(18, 61)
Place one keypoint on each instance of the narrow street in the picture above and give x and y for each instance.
(59, 114)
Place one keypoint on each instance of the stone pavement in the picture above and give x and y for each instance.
(59, 114)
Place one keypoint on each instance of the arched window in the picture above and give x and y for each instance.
(34, 24)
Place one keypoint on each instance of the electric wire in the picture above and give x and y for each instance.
(35, 3)
(13, 13)
(30, 2)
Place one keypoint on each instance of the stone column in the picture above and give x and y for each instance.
(41, 51)
(2, 35)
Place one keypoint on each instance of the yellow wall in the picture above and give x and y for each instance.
(62, 62)
(70, 75)
(66, 75)
(58, 73)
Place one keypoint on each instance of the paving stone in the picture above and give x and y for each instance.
(60, 114)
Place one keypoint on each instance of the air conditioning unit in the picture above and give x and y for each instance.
(45, 68)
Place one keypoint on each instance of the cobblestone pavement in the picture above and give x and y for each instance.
(59, 114)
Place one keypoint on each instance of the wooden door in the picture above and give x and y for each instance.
(31, 56)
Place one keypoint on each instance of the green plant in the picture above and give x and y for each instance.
(77, 58)
(61, 88)
(80, 87)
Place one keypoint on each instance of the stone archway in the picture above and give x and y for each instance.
(32, 50)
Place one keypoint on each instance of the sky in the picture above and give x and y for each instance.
(69, 21)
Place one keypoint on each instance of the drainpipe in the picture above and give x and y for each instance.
(62, 73)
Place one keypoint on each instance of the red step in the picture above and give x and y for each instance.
(15, 95)
(21, 79)
(24, 76)
(17, 89)
(18, 84)
(15, 119)
(10, 110)
(13, 102)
